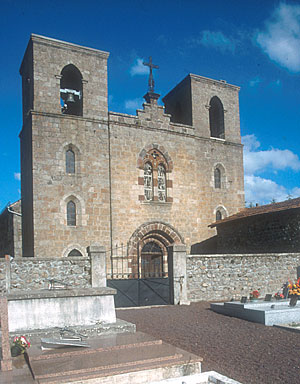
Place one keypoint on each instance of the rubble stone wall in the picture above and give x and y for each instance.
(223, 277)
(33, 273)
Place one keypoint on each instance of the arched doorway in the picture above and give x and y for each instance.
(142, 276)
(151, 260)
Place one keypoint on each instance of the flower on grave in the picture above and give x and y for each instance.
(279, 296)
(20, 344)
(254, 294)
(294, 288)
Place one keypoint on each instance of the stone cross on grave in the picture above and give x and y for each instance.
(151, 79)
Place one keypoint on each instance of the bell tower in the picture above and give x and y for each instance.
(64, 90)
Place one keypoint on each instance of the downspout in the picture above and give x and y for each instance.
(15, 213)
(110, 198)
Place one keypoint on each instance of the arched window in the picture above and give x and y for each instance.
(71, 91)
(75, 252)
(148, 182)
(161, 183)
(218, 215)
(70, 161)
(216, 118)
(71, 213)
(217, 176)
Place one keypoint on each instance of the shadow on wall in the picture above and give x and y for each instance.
(205, 247)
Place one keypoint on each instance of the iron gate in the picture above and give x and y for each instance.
(141, 279)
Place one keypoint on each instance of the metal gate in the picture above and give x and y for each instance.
(141, 279)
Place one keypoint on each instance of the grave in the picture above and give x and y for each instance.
(263, 312)
(43, 309)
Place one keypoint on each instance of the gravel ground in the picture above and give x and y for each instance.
(247, 352)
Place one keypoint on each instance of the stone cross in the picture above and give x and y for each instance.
(151, 79)
(6, 362)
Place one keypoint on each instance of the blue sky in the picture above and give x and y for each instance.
(251, 43)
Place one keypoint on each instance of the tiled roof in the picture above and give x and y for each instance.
(260, 210)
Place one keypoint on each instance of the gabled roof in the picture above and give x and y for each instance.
(260, 210)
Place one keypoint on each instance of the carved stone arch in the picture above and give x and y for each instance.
(148, 150)
(73, 246)
(161, 231)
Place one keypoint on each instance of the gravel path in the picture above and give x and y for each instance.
(247, 352)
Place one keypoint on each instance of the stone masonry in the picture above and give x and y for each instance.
(110, 149)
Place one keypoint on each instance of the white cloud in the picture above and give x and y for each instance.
(254, 82)
(17, 176)
(273, 159)
(133, 104)
(216, 39)
(139, 68)
(280, 39)
(261, 190)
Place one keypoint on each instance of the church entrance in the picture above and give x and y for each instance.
(140, 270)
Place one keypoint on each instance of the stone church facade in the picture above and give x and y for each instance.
(89, 175)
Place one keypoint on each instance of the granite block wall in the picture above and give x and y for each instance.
(223, 277)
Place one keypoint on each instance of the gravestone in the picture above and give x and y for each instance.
(285, 290)
(244, 299)
(293, 301)
(268, 297)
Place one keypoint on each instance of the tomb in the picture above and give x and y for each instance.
(263, 312)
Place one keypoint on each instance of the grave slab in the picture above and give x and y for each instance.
(267, 313)
(132, 358)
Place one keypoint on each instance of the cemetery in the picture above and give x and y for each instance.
(66, 300)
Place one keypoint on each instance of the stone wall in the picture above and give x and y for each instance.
(33, 273)
(223, 277)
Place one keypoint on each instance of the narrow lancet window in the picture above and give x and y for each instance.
(148, 182)
(217, 175)
(161, 183)
(218, 215)
(70, 161)
(71, 213)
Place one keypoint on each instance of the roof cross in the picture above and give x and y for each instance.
(151, 79)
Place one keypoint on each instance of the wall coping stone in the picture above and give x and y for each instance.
(230, 255)
(37, 259)
(60, 293)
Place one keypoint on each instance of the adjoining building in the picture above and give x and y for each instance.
(272, 228)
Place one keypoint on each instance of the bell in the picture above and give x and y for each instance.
(70, 98)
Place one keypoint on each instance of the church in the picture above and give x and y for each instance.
(141, 182)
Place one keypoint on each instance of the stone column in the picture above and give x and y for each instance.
(6, 362)
(98, 264)
(177, 273)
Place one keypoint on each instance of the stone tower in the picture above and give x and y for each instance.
(64, 147)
